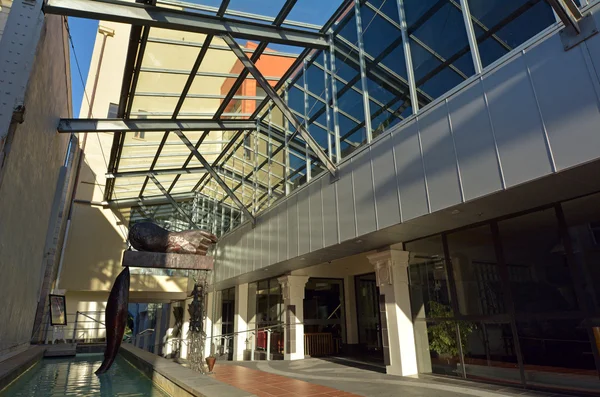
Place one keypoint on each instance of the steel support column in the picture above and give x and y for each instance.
(214, 174)
(363, 71)
(464, 5)
(334, 105)
(408, 58)
(287, 112)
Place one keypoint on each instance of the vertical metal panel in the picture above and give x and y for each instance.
(316, 216)
(386, 188)
(345, 200)
(303, 222)
(578, 104)
(516, 122)
(283, 232)
(330, 221)
(292, 219)
(364, 198)
(409, 168)
(439, 158)
(474, 142)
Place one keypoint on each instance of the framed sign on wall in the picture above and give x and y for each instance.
(58, 310)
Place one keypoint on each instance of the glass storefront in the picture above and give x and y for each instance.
(514, 300)
(265, 301)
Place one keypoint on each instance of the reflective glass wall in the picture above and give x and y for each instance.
(387, 60)
(513, 300)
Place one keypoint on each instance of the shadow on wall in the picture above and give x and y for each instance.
(97, 239)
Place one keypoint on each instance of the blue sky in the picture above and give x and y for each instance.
(83, 31)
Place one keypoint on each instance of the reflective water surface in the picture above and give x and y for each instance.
(75, 377)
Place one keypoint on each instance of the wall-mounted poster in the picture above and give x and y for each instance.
(58, 310)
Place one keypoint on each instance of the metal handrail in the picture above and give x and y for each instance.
(147, 330)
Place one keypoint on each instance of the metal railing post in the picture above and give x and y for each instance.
(75, 327)
(268, 344)
(253, 346)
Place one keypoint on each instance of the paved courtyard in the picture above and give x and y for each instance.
(317, 377)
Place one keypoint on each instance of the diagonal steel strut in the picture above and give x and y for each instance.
(287, 112)
(214, 174)
(172, 201)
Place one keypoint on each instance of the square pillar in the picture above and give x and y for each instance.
(240, 322)
(391, 267)
(293, 301)
(208, 323)
(185, 329)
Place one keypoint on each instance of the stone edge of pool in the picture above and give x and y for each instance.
(175, 379)
(15, 366)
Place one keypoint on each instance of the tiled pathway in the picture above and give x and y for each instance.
(264, 384)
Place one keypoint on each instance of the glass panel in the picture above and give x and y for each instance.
(489, 352)
(429, 293)
(437, 347)
(539, 274)
(367, 311)
(583, 220)
(382, 40)
(557, 353)
(439, 46)
(512, 22)
(476, 271)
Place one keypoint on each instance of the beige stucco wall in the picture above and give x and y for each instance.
(97, 236)
(30, 174)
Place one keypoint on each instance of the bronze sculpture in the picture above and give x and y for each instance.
(145, 236)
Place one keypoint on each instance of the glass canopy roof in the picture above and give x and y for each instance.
(258, 105)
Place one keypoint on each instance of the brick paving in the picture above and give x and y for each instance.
(264, 384)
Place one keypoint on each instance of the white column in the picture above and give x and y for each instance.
(351, 323)
(240, 321)
(185, 328)
(391, 267)
(293, 302)
(208, 323)
(168, 344)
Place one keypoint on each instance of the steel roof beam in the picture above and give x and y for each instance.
(170, 171)
(151, 125)
(166, 18)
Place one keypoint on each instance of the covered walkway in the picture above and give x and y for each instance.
(317, 377)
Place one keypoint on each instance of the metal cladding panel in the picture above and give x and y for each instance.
(316, 216)
(246, 259)
(282, 232)
(272, 237)
(409, 169)
(474, 142)
(259, 231)
(517, 123)
(573, 139)
(345, 200)
(439, 158)
(364, 198)
(303, 222)
(386, 187)
(330, 216)
(292, 219)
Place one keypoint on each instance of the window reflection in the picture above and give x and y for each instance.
(439, 45)
(540, 277)
(501, 25)
(476, 271)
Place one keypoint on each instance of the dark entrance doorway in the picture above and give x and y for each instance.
(369, 320)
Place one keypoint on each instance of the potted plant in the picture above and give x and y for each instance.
(442, 334)
(210, 361)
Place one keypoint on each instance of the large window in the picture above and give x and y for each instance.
(268, 310)
(518, 293)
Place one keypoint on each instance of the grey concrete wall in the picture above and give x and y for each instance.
(30, 173)
(533, 114)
